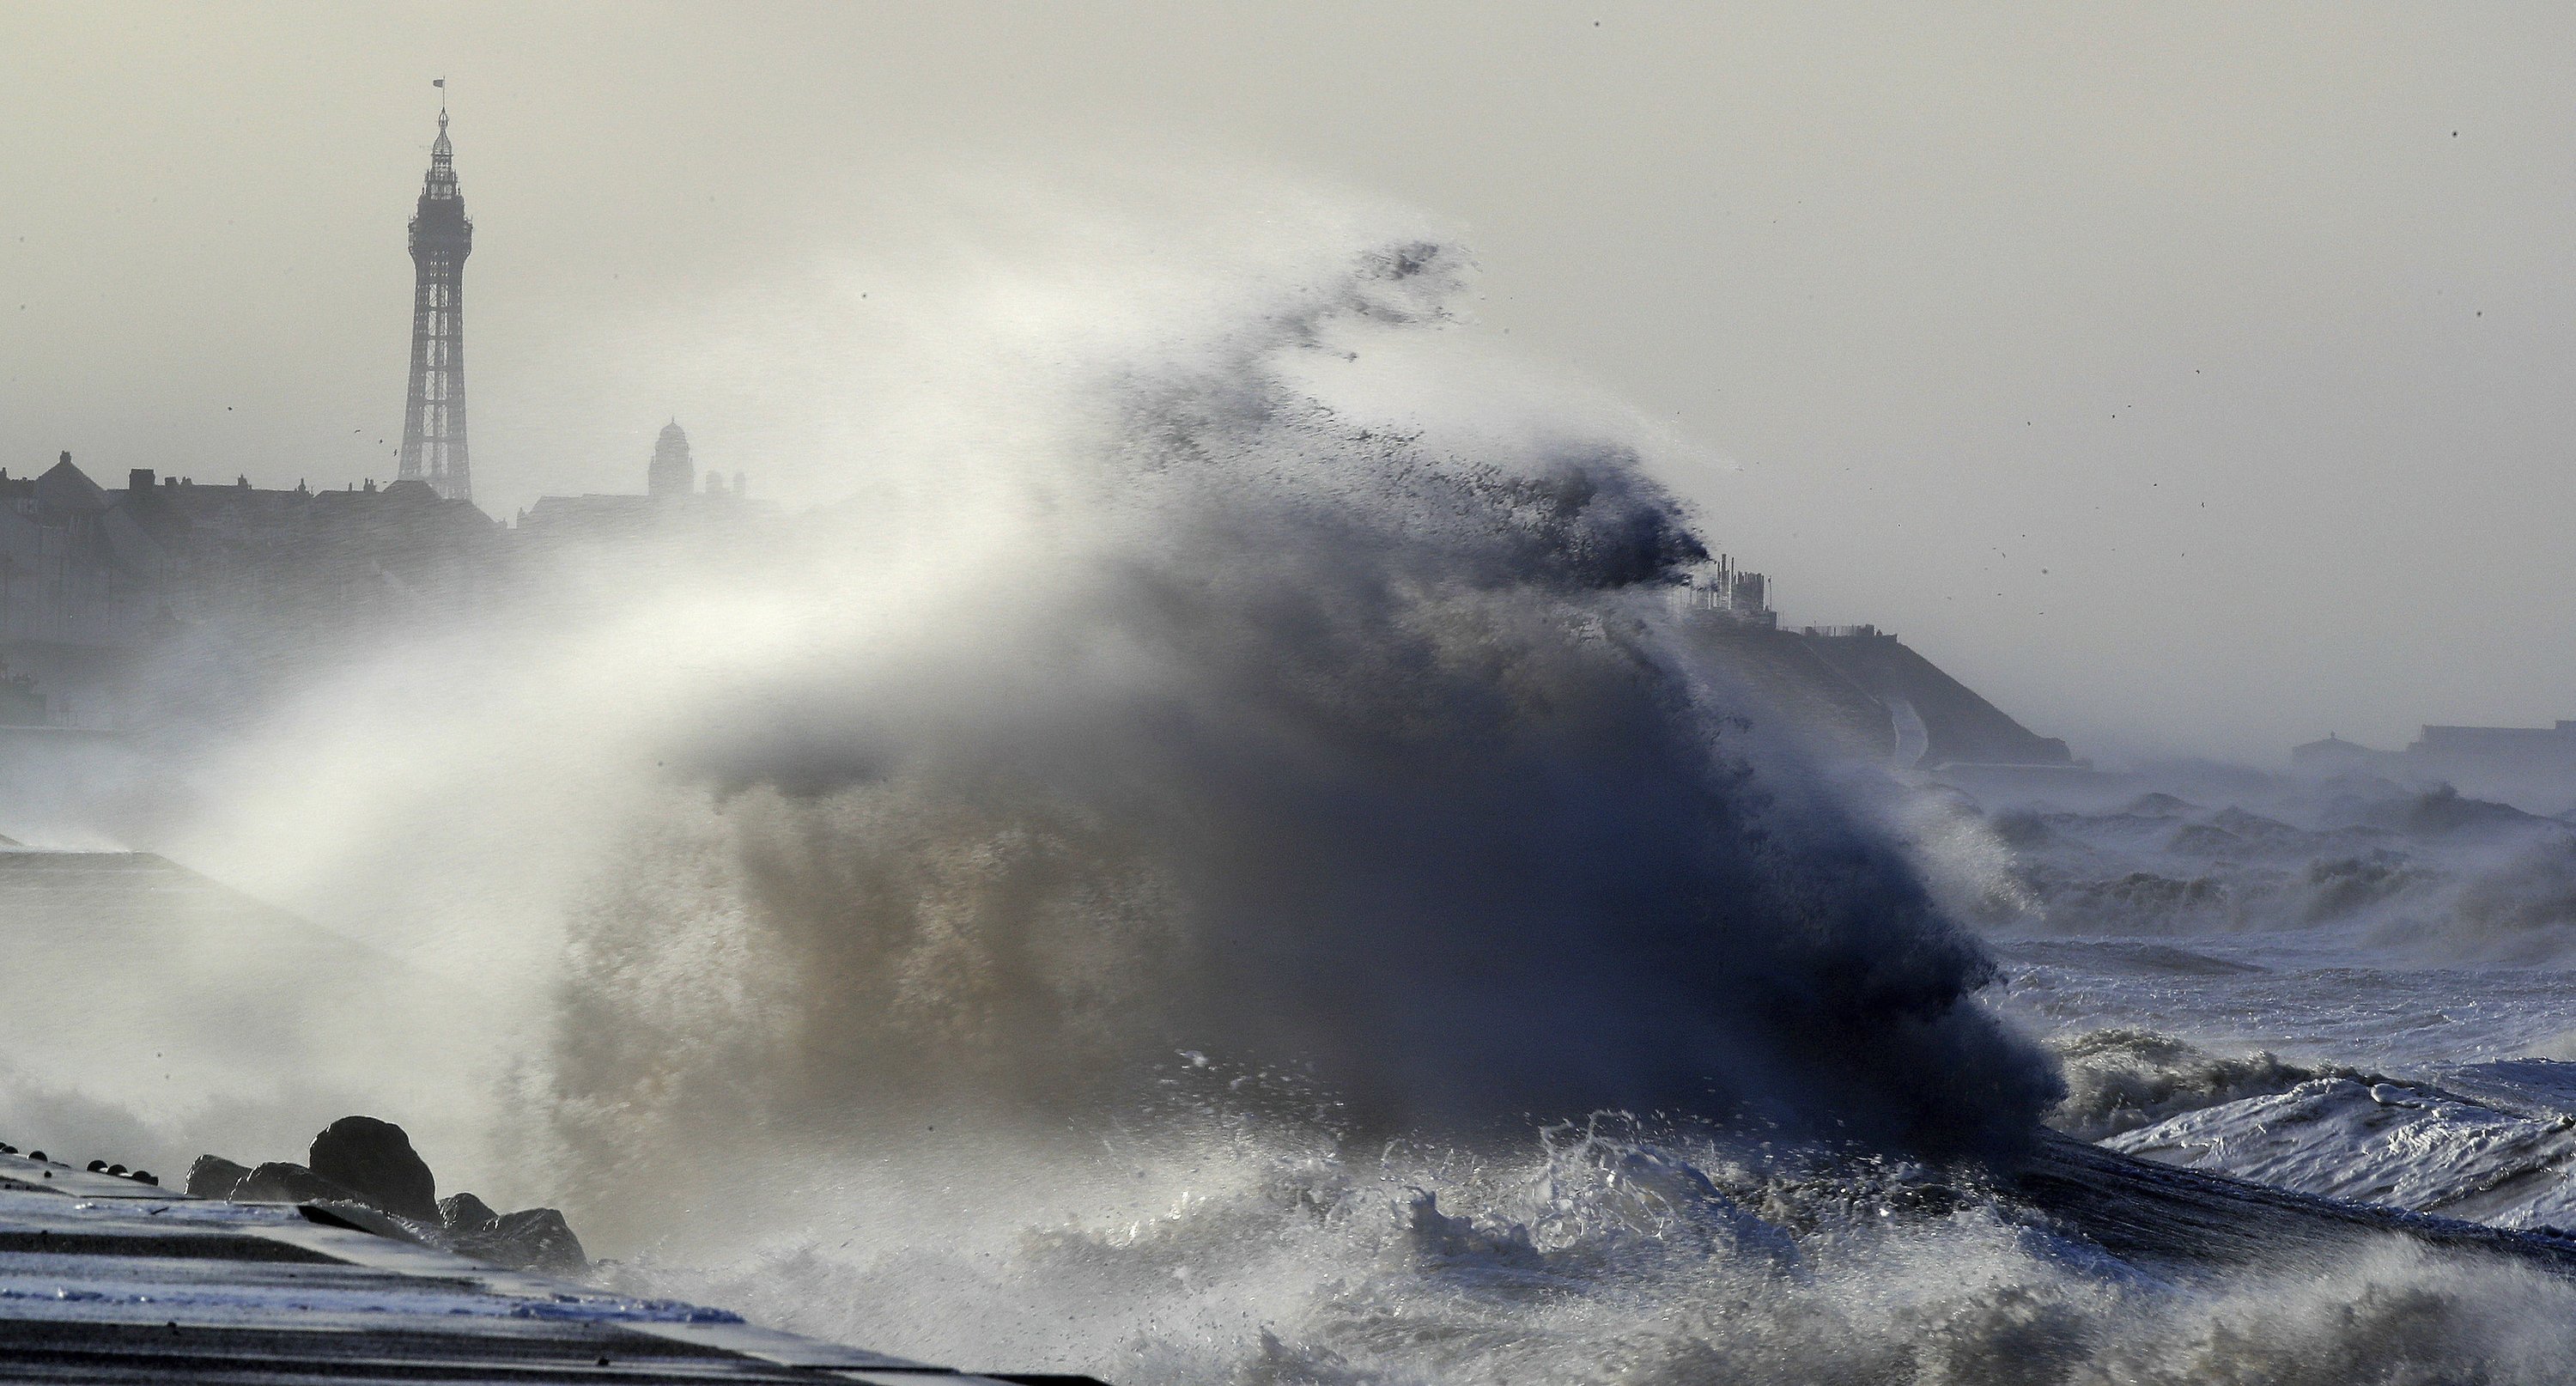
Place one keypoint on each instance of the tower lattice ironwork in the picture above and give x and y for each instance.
(433, 447)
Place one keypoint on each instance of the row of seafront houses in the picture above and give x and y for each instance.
(89, 566)
(94, 577)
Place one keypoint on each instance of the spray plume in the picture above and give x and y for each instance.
(1304, 746)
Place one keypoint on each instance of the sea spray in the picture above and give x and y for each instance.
(1614, 1256)
(1321, 749)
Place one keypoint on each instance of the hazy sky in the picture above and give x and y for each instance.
(2180, 377)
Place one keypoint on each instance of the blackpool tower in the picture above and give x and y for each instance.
(433, 446)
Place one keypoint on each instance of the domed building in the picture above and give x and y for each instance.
(671, 497)
(672, 472)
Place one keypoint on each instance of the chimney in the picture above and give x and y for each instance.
(140, 479)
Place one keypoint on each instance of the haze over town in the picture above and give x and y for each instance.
(2188, 381)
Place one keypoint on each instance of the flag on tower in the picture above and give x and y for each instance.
(438, 82)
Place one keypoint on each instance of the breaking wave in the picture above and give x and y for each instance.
(2118, 1080)
(1323, 753)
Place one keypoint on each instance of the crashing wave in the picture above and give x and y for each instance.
(2119, 1080)
(1323, 750)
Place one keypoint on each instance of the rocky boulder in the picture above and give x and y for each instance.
(465, 1215)
(374, 1160)
(365, 1171)
(526, 1240)
(535, 1239)
(213, 1176)
(281, 1182)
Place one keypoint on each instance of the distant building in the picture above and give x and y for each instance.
(89, 565)
(1729, 591)
(2336, 756)
(2497, 745)
(91, 577)
(75, 566)
(2535, 766)
(672, 473)
(672, 502)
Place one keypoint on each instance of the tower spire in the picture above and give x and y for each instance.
(433, 448)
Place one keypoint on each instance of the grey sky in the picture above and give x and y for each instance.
(2181, 377)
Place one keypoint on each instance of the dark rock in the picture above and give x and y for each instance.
(213, 1176)
(279, 1182)
(533, 1239)
(394, 1200)
(375, 1159)
(464, 1215)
